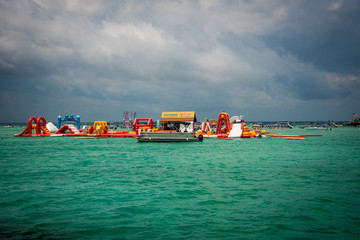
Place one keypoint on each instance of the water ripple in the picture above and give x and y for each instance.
(120, 189)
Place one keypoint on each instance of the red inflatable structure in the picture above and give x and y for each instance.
(205, 127)
(136, 125)
(71, 129)
(223, 119)
(37, 129)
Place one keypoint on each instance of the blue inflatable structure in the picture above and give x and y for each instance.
(68, 118)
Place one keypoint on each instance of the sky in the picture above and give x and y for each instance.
(267, 60)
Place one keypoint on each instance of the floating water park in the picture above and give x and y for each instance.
(172, 127)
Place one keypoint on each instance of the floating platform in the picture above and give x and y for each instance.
(168, 137)
(224, 138)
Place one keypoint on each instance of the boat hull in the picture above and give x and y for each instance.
(167, 137)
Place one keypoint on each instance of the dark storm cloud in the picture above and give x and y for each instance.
(100, 58)
(323, 33)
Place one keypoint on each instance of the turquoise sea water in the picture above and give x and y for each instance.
(117, 188)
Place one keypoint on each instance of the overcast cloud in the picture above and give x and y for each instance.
(267, 60)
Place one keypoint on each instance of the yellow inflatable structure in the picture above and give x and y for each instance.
(99, 126)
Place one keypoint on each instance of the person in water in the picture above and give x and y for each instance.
(262, 134)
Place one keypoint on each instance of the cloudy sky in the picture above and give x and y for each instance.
(266, 60)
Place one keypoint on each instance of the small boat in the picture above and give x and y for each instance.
(316, 128)
(281, 124)
(9, 125)
(169, 137)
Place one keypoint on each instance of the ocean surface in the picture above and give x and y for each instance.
(117, 188)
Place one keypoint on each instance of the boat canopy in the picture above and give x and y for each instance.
(178, 117)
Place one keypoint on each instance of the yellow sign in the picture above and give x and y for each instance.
(178, 116)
